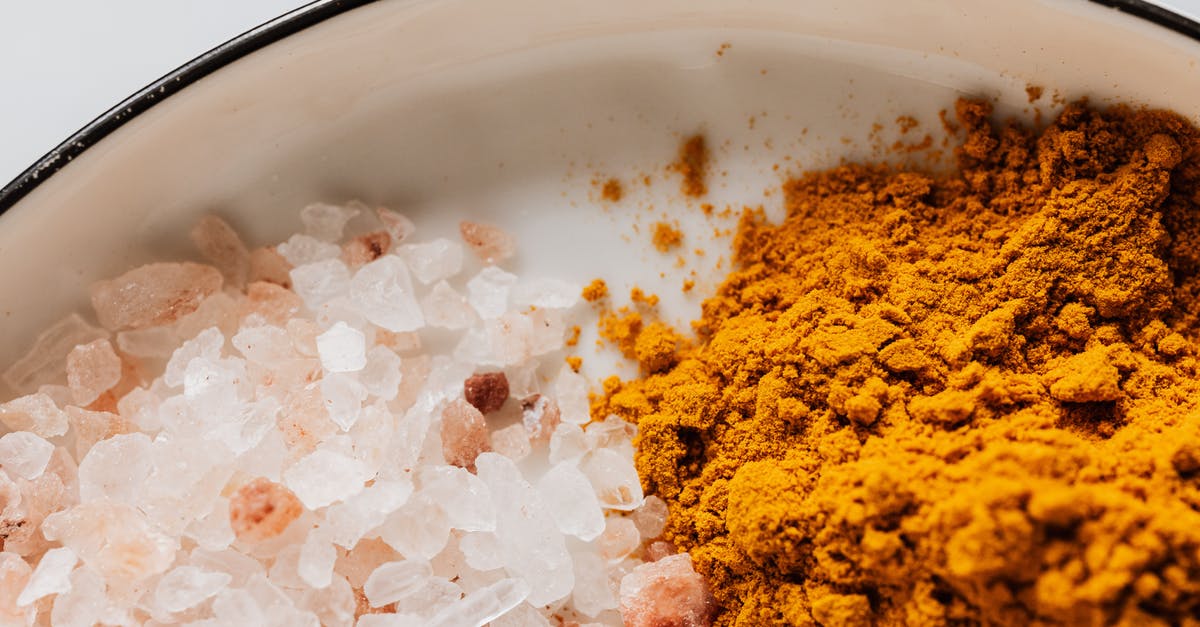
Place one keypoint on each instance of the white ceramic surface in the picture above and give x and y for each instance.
(506, 112)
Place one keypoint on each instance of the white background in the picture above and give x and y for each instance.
(63, 62)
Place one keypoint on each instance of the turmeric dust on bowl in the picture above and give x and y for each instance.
(946, 400)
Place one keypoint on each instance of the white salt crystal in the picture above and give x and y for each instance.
(436, 593)
(87, 603)
(420, 529)
(206, 345)
(571, 501)
(567, 443)
(325, 221)
(25, 454)
(116, 469)
(594, 591)
(342, 349)
(483, 605)
(324, 477)
(36, 413)
(395, 580)
(317, 555)
(398, 226)
(444, 307)
(381, 374)
(335, 605)
(613, 433)
(546, 294)
(264, 344)
(320, 282)
(620, 538)
(549, 329)
(52, 576)
(351, 519)
(488, 291)
(234, 606)
(343, 396)
(14, 575)
(571, 393)
(433, 260)
(531, 545)
(304, 249)
(461, 495)
(213, 531)
(481, 550)
(512, 442)
(651, 517)
(382, 290)
(45, 361)
(523, 615)
(154, 342)
(614, 478)
(503, 341)
(187, 586)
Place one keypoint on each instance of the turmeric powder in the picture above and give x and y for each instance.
(958, 399)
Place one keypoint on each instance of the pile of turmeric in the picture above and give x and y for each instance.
(956, 399)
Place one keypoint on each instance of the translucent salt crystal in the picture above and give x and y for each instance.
(481, 550)
(594, 592)
(461, 495)
(571, 392)
(488, 291)
(549, 329)
(613, 433)
(92, 369)
(523, 615)
(234, 606)
(268, 266)
(666, 592)
(304, 336)
(317, 555)
(397, 225)
(570, 500)
(24, 454)
(334, 604)
(464, 434)
(52, 576)
(340, 309)
(392, 620)
(503, 341)
(239, 566)
(433, 260)
(87, 603)
(420, 529)
(382, 290)
(207, 346)
(14, 576)
(60, 395)
(187, 586)
(546, 294)
(567, 443)
(213, 530)
(155, 342)
(381, 374)
(116, 469)
(614, 478)
(620, 538)
(400, 343)
(274, 303)
(366, 248)
(436, 593)
(342, 349)
(304, 249)
(358, 563)
(444, 307)
(483, 605)
(265, 344)
(325, 221)
(395, 580)
(153, 294)
(321, 281)
(343, 396)
(489, 243)
(277, 607)
(218, 310)
(351, 519)
(512, 442)
(262, 509)
(659, 550)
(532, 548)
(324, 477)
(222, 247)
(540, 416)
(651, 517)
(43, 364)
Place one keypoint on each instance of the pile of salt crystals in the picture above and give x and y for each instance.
(307, 456)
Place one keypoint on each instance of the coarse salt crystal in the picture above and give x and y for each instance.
(222, 247)
(571, 392)
(52, 576)
(25, 454)
(262, 509)
(381, 373)
(92, 369)
(397, 225)
(571, 501)
(489, 243)
(433, 260)
(614, 478)
(382, 291)
(321, 281)
(512, 442)
(342, 349)
(620, 538)
(44, 363)
(36, 413)
(651, 517)
(546, 294)
(666, 592)
(395, 580)
(326, 222)
(187, 586)
(488, 291)
(324, 477)
(444, 307)
(156, 293)
(464, 434)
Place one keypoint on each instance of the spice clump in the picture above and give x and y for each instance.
(962, 399)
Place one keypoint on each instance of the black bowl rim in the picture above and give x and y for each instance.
(298, 20)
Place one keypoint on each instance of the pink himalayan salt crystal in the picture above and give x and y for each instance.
(366, 248)
(398, 226)
(91, 427)
(275, 304)
(115, 539)
(43, 364)
(620, 538)
(34, 412)
(154, 294)
(92, 369)
(266, 264)
(659, 550)
(402, 342)
(39, 498)
(541, 417)
(512, 442)
(488, 242)
(357, 564)
(262, 509)
(464, 434)
(305, 421)
(14, 575)
(223, 248)
(666, 592)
